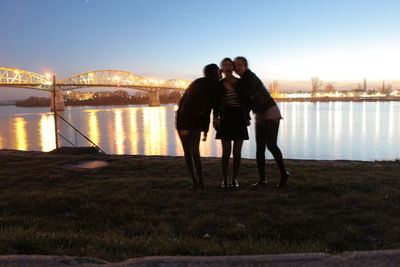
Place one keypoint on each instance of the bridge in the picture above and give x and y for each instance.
(10, 77)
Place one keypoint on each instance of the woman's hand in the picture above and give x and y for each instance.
(216, 124)
(204, 136)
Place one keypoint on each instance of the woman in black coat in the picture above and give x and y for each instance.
(193, 117)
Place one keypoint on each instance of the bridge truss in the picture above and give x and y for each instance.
(24, 79)
(101, 78)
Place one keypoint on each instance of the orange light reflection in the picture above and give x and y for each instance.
(155, 131)
(20, 133)
(134, 131)
(94, 133)
(47, 137)
(119, 131)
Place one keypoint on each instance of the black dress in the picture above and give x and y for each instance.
(231, 110)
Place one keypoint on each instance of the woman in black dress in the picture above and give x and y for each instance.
(231, 119)
(193, 117)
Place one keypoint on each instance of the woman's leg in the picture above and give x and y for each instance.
(272, 145)
(195, 149)
(261, 135)
(226, 153)
(237, 154)
(184, 135)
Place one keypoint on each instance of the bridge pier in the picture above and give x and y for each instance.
(59, 100)
(154, 98)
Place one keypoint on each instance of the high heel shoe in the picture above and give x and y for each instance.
(224, 185)
(260, 183)
(283, 181)
(235, 183)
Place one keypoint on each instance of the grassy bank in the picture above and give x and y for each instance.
(140, 206)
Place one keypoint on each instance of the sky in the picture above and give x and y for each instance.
(288, 40)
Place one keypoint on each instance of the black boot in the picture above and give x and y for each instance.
(194, 185)
(201, 183)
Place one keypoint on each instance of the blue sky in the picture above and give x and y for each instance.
(289, 41)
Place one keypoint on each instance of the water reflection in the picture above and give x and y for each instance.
(154, 122)
(20, 133)
(363, 119)
(317, 121)
(350, 126)
(134, 132)
(391, 120)
(305, 121)
(119, 131)
(337, 126)
(377, 120)
(47, 136)
(94, 132)
(346, 130)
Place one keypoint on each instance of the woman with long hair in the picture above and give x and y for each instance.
(230, 120)
(193, 117)
(267, 116)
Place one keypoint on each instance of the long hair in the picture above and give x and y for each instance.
(244, 61)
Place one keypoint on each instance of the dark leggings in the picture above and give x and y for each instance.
(266, 137)
(190, 142)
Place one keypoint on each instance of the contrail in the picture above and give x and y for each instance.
(192, 16)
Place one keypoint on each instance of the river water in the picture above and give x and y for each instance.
(321, 130)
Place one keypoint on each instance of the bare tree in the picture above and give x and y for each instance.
(389, 88)
(274, 88)
(365, 85)
(329, 87)
(316, 84)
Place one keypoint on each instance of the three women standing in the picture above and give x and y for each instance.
(231, 99)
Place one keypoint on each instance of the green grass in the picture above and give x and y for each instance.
(140, 206)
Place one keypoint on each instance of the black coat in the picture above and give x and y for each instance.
(257, 96)
(195, 105)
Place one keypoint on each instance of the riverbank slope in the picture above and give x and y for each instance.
(140, 206)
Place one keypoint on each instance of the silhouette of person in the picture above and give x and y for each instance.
(231, 118)
(193, 117)
(267, 116)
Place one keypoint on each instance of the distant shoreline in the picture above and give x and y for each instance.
(338, 99)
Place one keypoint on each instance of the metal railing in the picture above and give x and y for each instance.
(76, 133)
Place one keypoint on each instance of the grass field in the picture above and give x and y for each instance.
(141, 206)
